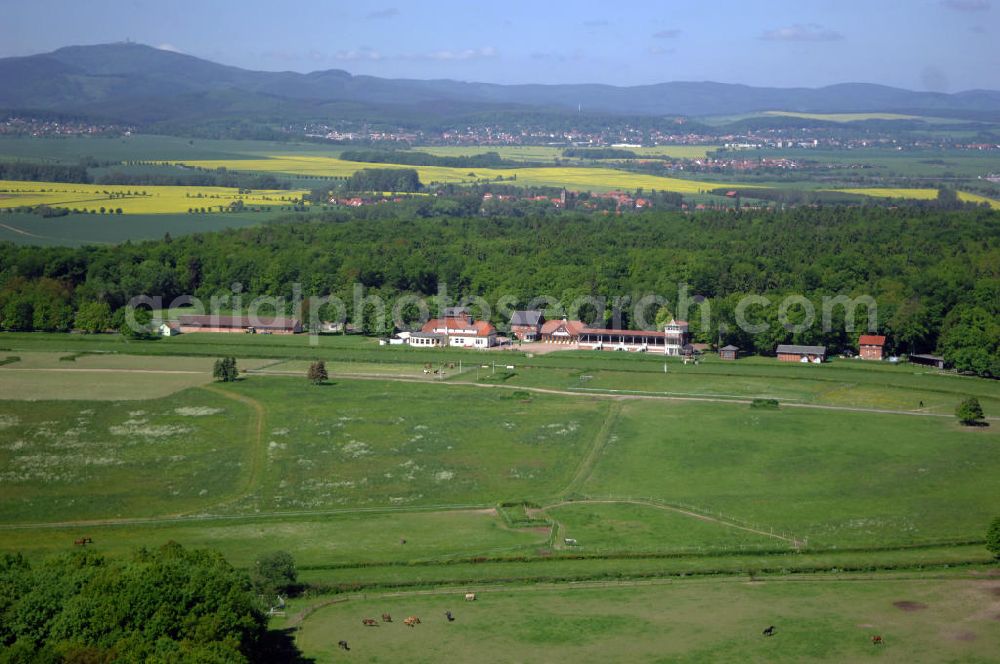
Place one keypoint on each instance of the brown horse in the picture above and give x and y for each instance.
(83, 541)
(411, 621)
(877, 640)
(369, 622)
(386, 617)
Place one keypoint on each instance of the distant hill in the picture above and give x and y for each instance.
(140, 84)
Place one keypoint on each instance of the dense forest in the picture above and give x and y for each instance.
(384, 179)
(935, 274)
(24, 171)
(163, 605)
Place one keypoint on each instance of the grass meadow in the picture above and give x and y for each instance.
(316, 541)
(383, 444)
(385, 480)
(82, 460)
(839, 479)
(74, 230)
(950, 619)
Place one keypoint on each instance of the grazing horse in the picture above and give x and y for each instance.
(386, 617)
(769, 631)
(343, 645)
(411, 621)
(83, 541)
(470, 597)
(877, 640)
(369, 622)
(451, 618)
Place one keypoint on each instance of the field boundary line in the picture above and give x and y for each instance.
(258, 452)
(589, 460)
(99, 370)
(195, 517)
(577, 392)
(793, 541)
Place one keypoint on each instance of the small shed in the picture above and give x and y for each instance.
(797, 353)
(729, 352)
(935, 361)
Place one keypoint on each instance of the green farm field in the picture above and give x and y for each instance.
(74, 230)
(839, 383)
(386, 479)
(949, 619)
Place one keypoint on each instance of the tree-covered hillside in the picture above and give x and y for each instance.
(935, 275)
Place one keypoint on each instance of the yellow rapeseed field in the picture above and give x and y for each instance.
(592, 179)
(136, 199)
(925, 194)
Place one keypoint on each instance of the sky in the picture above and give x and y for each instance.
(936, 45)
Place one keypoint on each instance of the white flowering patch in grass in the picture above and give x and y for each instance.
(563, 429)
(143, 429)
(197, 411)
(136, 413)
(443, 475)
(14, 446)
(8, 421)
(356, 449)
(279, 432)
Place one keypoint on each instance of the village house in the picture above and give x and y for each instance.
(871, 346)
(456, 332)
(526, 325)
(246, 324)
(167, 329)
(796, 353)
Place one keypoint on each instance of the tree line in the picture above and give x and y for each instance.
(934, 274)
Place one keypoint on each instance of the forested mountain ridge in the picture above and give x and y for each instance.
(140, 84)
(935, 275)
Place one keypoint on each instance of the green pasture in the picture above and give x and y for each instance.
(317, 540)
(604, 527)
(951, 619)
(836, 478)
(73, 460)
(842, 383)
(568, 567)
(79, 229)
(145, 147)
(382, 444)
(101, 376)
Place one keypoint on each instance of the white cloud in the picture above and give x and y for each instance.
(808, 32)
(358, 54)
(453, 55)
